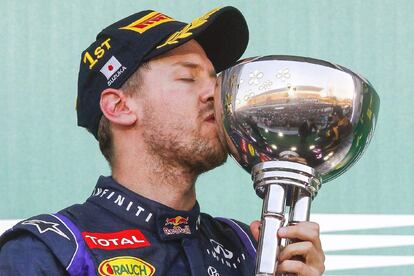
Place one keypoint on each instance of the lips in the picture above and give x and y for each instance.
(210, 118)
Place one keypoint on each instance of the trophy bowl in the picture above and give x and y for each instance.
(293, 123)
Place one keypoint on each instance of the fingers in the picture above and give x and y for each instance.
(297, 249)
(308, 246)
(255, 229)
(297, 267)
(305, 231)
(311, 256)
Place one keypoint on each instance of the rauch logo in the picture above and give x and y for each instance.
(125, 265)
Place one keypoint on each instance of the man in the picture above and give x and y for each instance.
(146, 91)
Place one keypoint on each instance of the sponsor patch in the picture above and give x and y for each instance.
(118, 200)
(116, 240)
(212, 271)
(176, 225)
(125, 265)
(186, 31)
(110, 67)
(225, 256)
(46, 226)
(147, 22)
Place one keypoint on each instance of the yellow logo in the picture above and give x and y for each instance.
(125, 265)
(147, 22)
(186, 31)
(251, 149)
(99, 52)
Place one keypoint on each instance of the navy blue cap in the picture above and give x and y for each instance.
(120, 48)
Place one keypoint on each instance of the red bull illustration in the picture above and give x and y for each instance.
(176, 221)
(179, 226)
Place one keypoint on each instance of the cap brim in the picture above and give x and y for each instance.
(224, 37)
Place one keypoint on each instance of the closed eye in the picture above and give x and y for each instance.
(187, 79)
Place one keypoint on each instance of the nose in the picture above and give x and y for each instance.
(207, 94)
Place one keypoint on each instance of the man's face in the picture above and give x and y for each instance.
(178, 120)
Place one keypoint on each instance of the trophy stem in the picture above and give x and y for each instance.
(272, 219)
(299, 211)
(300, 206)
(280, 184)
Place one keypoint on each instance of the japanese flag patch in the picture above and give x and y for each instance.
(110, 67)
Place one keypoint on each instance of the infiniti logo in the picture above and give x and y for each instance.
(224, 256)
(212, 271)
(219, 249)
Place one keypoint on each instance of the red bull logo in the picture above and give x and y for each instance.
(176, 221)
(179, 226)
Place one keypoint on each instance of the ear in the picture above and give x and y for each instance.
(115, 106)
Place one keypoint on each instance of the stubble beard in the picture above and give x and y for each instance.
(178, 146)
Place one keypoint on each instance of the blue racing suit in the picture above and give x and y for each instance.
(118, 232)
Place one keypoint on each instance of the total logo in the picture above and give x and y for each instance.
(116, 240)
(179, 226)
(224, 255)
(125, 265)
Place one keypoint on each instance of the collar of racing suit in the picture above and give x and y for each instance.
(147, 214)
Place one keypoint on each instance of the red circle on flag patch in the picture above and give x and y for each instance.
(110, 67)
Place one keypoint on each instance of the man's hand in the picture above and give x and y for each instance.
(309, 248)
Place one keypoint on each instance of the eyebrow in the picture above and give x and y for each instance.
(193, 65)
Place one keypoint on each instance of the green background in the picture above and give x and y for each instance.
(47, 163)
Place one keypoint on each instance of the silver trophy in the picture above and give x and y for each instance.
(293, 123)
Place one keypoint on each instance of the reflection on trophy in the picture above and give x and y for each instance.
(293, 123)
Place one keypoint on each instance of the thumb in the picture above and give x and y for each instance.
(255, 229)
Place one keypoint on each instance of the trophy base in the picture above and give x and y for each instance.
(285, 173)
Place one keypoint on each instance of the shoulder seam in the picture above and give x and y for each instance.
(74, 238)
(240, 231)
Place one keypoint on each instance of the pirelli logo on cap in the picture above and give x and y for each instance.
(147, 22)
